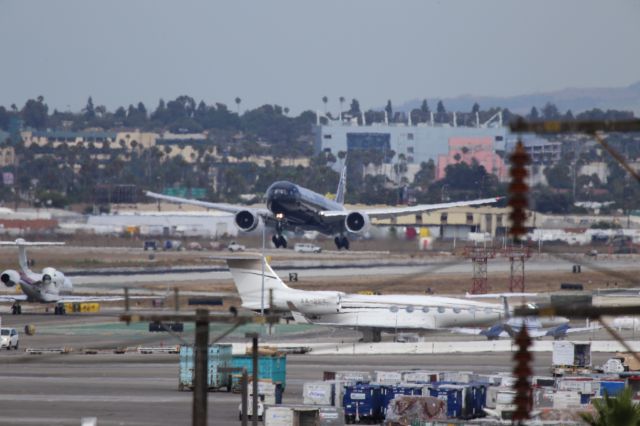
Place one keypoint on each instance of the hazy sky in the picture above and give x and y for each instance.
(294, 52)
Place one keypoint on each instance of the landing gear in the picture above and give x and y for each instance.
(16, 309)
(279, 241)
(59, 309)
(342, 242)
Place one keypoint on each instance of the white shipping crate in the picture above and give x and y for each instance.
(267, 389)
(388, 377)
(459, 376)
(580, 386)
(562, 353)
(420, 376)
(278, 416)
(353, 376)
(566, 399)
(318, 393)
(505, 396)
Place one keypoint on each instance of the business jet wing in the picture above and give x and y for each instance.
(224, 207)
(386, 212)
(298, 316)
(88, 299)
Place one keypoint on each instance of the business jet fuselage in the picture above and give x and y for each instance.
(372, 314)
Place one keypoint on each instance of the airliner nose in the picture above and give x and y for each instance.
(282, 192)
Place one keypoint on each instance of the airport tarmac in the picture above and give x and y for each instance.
(136, 389)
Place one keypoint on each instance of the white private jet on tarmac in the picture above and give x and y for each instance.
(371, 314)
(50, 286)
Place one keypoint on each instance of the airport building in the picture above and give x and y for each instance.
(458, 222)
(467, 149)
(416, 143)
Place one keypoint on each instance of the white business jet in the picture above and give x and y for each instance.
(371, 314)
(49, 286)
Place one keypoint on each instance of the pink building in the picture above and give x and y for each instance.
(480, 148)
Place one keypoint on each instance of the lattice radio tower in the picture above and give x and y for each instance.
(479, 256)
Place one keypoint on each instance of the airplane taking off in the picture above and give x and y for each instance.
(292, 207)
(50, 286)
(371, 314)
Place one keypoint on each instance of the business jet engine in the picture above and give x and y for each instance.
(10, 277)
(246, 220)
(357, 222)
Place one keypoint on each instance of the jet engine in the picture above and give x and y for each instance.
(246, 220)
(10, 277)
(357, 222)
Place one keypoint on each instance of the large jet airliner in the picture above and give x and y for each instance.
(371, 314)
(50, 286)
(292, 207)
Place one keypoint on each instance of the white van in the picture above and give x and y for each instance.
(306, 248)
(9, 338)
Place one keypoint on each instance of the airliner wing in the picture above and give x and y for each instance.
(229, 208)
(17, 297)
(386, 212)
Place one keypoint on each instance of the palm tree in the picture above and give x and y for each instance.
(238, 100)
(325, 100)
(618, 411)
(341, 99)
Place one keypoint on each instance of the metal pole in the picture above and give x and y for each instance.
(254, 401)
(245, 396)
(126, 299)
(201, 352)
(264, 230)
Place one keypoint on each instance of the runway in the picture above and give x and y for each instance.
(350, 268)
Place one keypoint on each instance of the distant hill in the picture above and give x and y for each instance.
(575, 99)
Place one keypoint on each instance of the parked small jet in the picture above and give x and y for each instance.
(292, 207)
(371, 314)
(556, 327)
(49, 286)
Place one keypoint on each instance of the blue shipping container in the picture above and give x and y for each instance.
(271, 368)
(363, 402)
(219, 356)
(611, 387)
(452, 396)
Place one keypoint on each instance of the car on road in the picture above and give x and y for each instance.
(233, 246)
(9, 338)
(307, 248)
